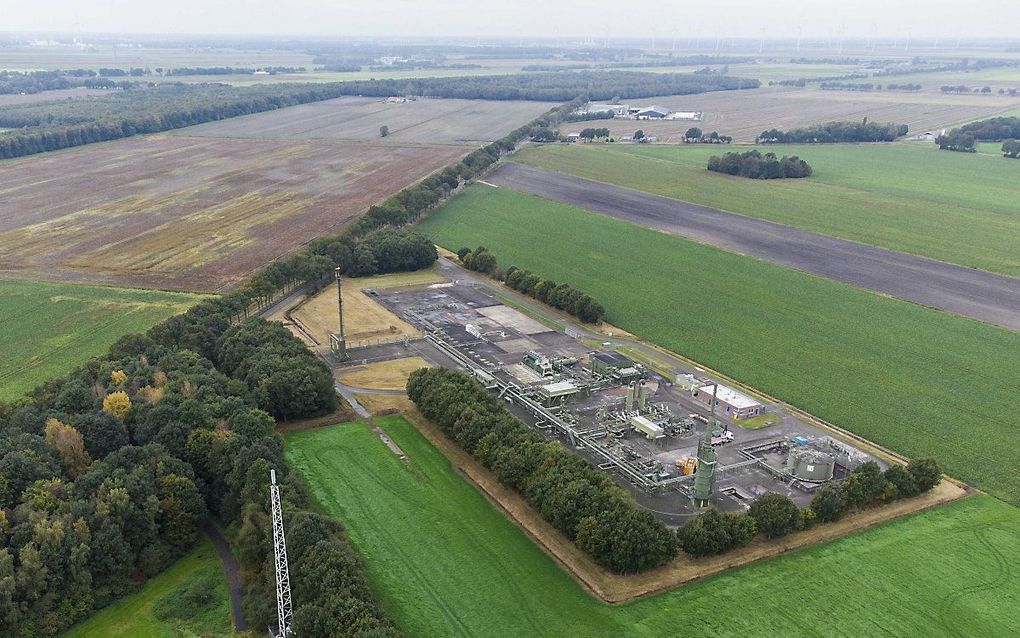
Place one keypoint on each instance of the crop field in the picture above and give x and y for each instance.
(916, 380)
(422, 121)
(133, 616)
(190, 213)
(428, 538)
(99, 55)
(745, 114)
(955, 207)
(51, 328)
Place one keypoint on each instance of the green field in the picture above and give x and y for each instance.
(916, 380)
(132, 616)
(446, 563)
(956, 207)
(48, 329)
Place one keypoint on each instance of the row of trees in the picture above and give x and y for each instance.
(994, 129)
(62, 124)
(867, 86)
(1011, 148)
(557, 87)
(834, 132)
(594, 134)
(575, 498)
(956, 140)
(561, 296)
(775, 515)
(695, 135)
(754, 165)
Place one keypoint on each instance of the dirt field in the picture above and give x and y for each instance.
(385, 375)
(745, 114)
(364, 318)
(18, 99)
(423, 121)
(194, 213)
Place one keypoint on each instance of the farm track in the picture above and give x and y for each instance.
(976, 294)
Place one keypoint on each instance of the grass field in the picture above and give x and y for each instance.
(445, 563)
(422, 121)
(919, 381)
(132, 616)
(190, 213)
(51, 328)
(385, 375)
(955, 207)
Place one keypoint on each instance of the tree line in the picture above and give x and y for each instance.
(776, 515)
(107, 474)
(575, 498)
(835, 132)
(560, 296)
(695, 135)
(866, 86)
(996, 129)
(1011, 148)
(754, 165)
(62, 124)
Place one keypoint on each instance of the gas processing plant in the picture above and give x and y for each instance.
(677, 442)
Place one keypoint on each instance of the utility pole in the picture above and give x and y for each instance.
(284, 607)
(338, 342)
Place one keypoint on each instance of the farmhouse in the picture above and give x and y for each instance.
(736, 405)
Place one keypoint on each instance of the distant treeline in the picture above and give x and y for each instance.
(50, 126)
(14, 82)
(231, 70)
(555, 87)
(587, 117)
(667, 61)
(834, 132)
(754, 165)
(574, 497)
(866, 86)
(803, 60)
(996, 129)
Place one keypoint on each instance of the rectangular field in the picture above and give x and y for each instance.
(421, 121)
(133, 617)
(955, 207)
(190, 213)
(918, 381)
(446, 563)
(48, 329)
(743, 115)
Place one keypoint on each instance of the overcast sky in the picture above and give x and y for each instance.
(591, 18)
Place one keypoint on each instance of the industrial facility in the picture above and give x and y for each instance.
(675, 443)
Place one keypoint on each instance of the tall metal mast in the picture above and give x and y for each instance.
(284, 607)
(338, 342)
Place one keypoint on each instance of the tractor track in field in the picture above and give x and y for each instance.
(968, 292)
(1001, 576)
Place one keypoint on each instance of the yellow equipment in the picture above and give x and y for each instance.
(687, 465)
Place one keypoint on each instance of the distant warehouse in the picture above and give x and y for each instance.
(728, 401)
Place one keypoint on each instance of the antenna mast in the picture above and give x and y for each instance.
(284, 607)
(338, 342)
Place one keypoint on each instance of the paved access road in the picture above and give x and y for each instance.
(972, 293)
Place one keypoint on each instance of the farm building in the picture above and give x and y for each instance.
(652, 113)
(734, 404)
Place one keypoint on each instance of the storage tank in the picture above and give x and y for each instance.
(810, 465)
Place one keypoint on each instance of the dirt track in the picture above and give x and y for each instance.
(972, 293)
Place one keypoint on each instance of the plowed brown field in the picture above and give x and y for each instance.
(190, 213)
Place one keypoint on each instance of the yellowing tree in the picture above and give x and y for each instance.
(151, 395)
(118, 404)
(118, 377)
(69, 445)
(159, 378)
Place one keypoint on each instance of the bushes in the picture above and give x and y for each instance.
(754, 165)
(714, 532)
(833, 132)
(956, 140)
(580, 501)
(776, 515)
